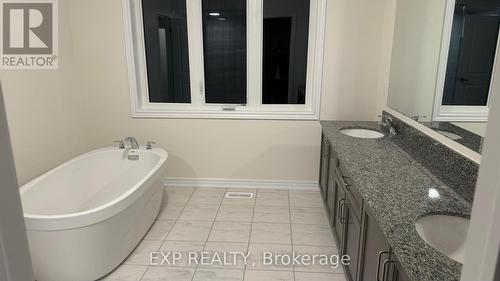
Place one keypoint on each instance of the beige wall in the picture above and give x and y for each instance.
(43, 111)
(96, 104)
(357, 58)
(413, 77)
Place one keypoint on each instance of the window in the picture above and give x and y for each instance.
(166, 42)
(225, 51)
(286, 30)
(473, 44)
(257, 59)
(468, 51)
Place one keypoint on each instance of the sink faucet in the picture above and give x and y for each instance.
(133, 142)
(387, 123)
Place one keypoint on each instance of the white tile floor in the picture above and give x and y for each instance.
(195, 220)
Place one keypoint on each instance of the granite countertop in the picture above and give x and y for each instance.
(398, 191)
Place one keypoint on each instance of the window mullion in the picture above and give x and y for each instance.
(196, 63)
(254, 53)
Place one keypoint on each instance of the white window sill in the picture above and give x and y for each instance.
(163, 114)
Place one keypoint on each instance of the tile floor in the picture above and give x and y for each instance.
(196, 220)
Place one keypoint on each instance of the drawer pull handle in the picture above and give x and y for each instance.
(339, 210)
(343, 213)
(378, 263)
(342, 179)
(384, 267)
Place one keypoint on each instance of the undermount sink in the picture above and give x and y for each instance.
(446, 234)
(362, 133)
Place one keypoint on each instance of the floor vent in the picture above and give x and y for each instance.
(239, 195)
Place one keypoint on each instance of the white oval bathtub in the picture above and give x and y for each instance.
(85, 217)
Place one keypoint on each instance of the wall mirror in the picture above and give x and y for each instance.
(443, 65)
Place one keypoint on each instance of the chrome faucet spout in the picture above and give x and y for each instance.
(387, 122)
(133, 142)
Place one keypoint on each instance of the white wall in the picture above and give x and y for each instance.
(95, 105)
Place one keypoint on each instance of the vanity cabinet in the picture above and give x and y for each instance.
(349, 227)
(325, 157)
(338, 206)
(395, 272)
(343, 207)
(375, 249)
(377, 262)
(352, 229)
(332, 190)
(356, 231)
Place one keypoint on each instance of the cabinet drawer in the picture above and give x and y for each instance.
(352, 190)
(352, 193)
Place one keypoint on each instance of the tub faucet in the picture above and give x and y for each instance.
(133, 142)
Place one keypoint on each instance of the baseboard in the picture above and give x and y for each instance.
(240, 183)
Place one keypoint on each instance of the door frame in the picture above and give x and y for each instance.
(483, 242)
(15, 261)
(453, 112)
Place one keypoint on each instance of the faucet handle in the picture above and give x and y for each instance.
(149, 145)
(120, 143)
(417, 117)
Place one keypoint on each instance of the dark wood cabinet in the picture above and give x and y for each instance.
(374, 250)
(356, 231)
(395, 272)
(352, 230)
(332, 188)
(339, 215)
(324, 168)
(347, 226)
(377, 262)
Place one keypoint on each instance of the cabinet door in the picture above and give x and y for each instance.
(395, 272)
(374, 248)
(339, 214)
(352, 231)
(332, 190)
(325, 155)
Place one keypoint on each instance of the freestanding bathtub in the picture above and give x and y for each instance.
(85, 217)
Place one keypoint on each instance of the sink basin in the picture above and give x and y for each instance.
(446, 234)
(362, 133)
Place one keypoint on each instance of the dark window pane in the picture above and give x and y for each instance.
(165, 33)
(225, 51)
(471, 55)
(286, 31)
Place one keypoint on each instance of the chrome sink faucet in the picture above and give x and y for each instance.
(387, 122)
(133, 142)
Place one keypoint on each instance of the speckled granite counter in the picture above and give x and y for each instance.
(397, 190)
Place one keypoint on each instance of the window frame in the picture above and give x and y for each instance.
(254, 109)
(457, 113)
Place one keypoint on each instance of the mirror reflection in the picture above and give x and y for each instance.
(443, 77)
(471, 54)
